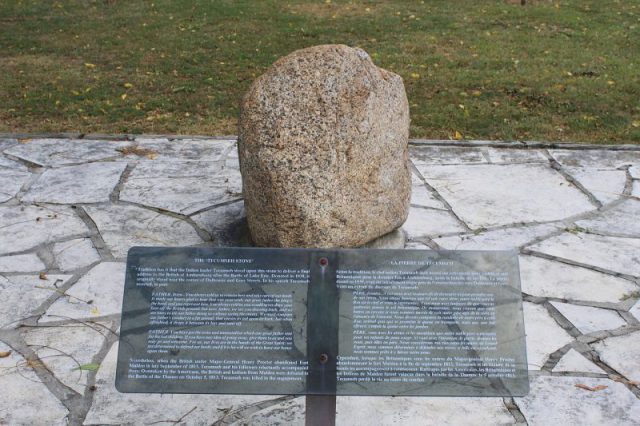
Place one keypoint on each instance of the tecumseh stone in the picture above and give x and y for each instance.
(323, 150)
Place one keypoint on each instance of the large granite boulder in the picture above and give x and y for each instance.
(323, 150)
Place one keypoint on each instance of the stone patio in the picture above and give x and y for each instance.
(71, 208)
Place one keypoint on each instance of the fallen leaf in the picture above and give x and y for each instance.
(457, 135)
(128, 85)
(43, 276)
(5, 354)
(591, 389)
(635, 123)
(89, 367)
(90, 66)
(123, 96)
(94, 311)
(415, 75)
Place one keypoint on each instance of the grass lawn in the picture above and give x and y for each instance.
(476, 69)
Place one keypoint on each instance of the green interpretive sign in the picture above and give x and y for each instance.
(322, 322)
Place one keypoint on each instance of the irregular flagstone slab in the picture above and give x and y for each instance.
(423, 222)
(25, 227)
(610, 253)
(395, 239)
(621, 353)
(636, 189)
(574, 362)
(10, 164)
(600, 158)
(226, 224)
(61, 152)
(6, 143)
(501, 156)
(123, 227)
(416, 245)
(25, 399)
(365, 411)
(548, 278)
(557, 401)
(86, 183)
(112, 407)
(75, 254)
(431, 155)
(623, 219)
(421, 196)
(543, 335)
(588, 319)
(21, 263)
(290, 413)
(635, 310)
(10, 183)
(163, 149)
(181, 186)
(500, 239)
(492, 195)
(63, 349)
(22, 294)
(634, 171)
(98, 293)
(605, 185)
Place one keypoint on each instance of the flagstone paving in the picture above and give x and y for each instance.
(71, 208)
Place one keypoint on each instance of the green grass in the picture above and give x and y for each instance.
(551, 70)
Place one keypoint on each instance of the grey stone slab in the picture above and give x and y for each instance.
(588, 319)
(493, 195)
(610, 253)
(290, 413)
(25, 227)
(548, 278)
(22, 294)
(97, 293)
(635, 310)
(61, 152)
(10, 182)
(64, 349)
(21, 263)
(25, 399)
(112, 407)
(395, 240)
(574, 362)
(123, 227)
(163, 149)
(10, 164)
(634, 171)
(421, 196)
(75, 254)
(600, 158)
(429, 222)
(181, 186)
(85, 183)
(605, 185)
(6, 143)
(623, 219)
(501, 156)
(416, 245)
(544, 336)
(500, 239)
(621, 353)
(557, 401)
(365, 411)
(635, 189)
(432, 155)
(226, 224)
